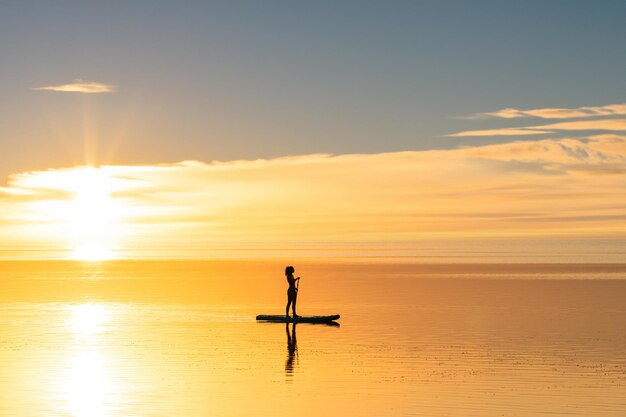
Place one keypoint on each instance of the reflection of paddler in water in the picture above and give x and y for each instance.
(292, 292)
(292, 347)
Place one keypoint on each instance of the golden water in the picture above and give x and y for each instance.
(178, 338)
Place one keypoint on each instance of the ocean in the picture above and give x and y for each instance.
(415, 338)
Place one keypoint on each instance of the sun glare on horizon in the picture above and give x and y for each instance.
(72, 210)
(81, 214)
(92, 219)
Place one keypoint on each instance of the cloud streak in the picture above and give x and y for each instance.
(80, 86)
(615, 125)
(500, 132)
(610, 125)
(558, 155)
(554, 113)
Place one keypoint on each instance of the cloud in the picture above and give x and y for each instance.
(80, 86)
(614, 125)
(554, 113)
(500, 132)
(605, 124)
(599, 150)
(523, 188)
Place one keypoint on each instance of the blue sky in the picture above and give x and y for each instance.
(244, 80)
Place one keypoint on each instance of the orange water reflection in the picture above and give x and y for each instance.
(180, 339)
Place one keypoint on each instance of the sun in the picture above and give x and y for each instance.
(94, 252)
(93, 215)
(78, 210)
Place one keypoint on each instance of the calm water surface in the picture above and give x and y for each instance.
(167, 338)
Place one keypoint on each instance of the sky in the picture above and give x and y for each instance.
(310, 121)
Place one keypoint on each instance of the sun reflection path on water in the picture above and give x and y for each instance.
(88, 319)
(87, 385)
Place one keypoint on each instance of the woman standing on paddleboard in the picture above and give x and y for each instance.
(292, 292)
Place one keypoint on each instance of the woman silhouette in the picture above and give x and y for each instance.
(292, 292)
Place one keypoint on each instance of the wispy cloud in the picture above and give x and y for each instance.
(615, 125)
(554, 113)
(561, 154)
(611, 125)
(500, 132)
(80, 86)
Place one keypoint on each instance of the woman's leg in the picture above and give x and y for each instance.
(290, 302)
(293, 306)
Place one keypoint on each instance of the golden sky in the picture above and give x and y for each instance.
(548, 187)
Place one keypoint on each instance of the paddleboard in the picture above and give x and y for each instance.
(301, 319)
